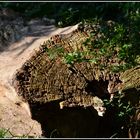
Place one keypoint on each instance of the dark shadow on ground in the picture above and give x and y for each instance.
(73, 122)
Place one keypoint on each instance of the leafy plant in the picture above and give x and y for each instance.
(122, 113)
(124, 108)
(108, 46)
(70, 58)
(71, 13)
(6, 133)
(55, 52)
(3, 133)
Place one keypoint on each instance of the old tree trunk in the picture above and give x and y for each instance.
(67, 98)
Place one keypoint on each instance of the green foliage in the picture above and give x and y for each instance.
(122, 114)
(110, 46)
(6, 133)
(70, 58)
(70, 13)
(67, 17)
(124, 109)
(3, 133)
(55, 52)
(114, 42)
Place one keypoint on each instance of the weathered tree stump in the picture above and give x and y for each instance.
(46, 78)
(42, 79)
